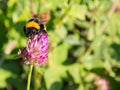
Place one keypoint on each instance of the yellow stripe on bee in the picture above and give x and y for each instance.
(45, 28)
(33, 24)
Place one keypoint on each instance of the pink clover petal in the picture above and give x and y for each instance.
(36, 50)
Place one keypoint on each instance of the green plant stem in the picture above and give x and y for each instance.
(29, 77)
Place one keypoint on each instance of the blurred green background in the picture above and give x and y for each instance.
(84, 51)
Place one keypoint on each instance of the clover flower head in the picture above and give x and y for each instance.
(36, 50)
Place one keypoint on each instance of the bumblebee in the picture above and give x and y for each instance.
(32, 27)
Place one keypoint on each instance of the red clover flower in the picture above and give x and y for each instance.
(36, 50)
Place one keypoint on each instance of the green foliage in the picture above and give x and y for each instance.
(84, 40)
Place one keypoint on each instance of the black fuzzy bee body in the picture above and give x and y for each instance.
(32, 27)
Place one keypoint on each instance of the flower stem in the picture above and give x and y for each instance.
(29, 77)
